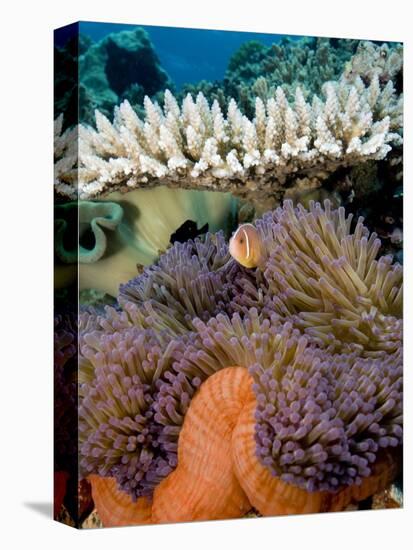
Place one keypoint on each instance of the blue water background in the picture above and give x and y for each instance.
(188, 55)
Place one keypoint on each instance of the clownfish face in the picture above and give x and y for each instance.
(246, 246)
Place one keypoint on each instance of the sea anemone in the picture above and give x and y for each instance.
(116, 507)
(322, 420)
(324, 275)
(117, 436)
(87, 221)
(218, 466)
(204, 485)
(272, 496)
(221, 342)
(187, 282)
(321, 417)
(218, 473)
(318, 355)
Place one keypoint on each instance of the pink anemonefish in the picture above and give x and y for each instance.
(246, 246)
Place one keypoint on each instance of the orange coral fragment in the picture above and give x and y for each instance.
(204, 486)
(115, 507)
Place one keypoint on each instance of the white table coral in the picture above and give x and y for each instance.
(195, 146)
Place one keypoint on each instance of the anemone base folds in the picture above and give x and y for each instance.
(115, 507)
(273, 497)
(219, 476)
(204, 485)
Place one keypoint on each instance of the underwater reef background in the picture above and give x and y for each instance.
(315, 161)
(156, 165)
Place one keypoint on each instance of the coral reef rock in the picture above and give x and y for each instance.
(308, 63)
(123, 64)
